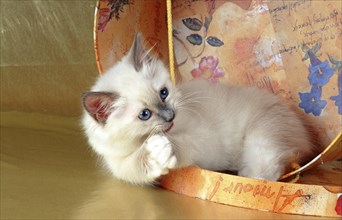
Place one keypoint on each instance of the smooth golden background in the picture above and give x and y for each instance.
(47, 56)
(47, 169)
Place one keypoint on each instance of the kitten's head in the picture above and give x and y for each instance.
(134, 98)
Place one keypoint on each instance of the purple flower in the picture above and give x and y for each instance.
(311, 102)
(208, 69)
(338, 98)
(320, 74)
(338, 102)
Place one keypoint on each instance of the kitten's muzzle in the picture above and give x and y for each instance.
(169, 128)
(166, 113)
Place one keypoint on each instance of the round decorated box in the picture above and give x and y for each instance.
(290, 48)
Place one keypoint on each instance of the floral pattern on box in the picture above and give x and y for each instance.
(265, 44)
(290, 48)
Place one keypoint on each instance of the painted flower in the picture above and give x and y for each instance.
(337, 65)
(310, 53)
(103, 18)
(210, 6)
(338, 207)
(208, 69)
(338, 102)
(320, 74)
(311, 102)
(117, 7)
(338, 98)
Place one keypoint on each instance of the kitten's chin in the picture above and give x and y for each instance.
(169, 128)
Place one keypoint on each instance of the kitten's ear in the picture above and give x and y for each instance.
(137, 53)
(99, 104)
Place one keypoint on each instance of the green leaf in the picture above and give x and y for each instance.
(194, 39)
(214, 41)
(192, 23)
(207, 22)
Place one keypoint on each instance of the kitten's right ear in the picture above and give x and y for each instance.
(99, 104)
(137, 53)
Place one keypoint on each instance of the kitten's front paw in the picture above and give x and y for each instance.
(160, 157)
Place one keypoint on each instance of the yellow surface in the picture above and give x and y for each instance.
(47, 55)
(47, 169)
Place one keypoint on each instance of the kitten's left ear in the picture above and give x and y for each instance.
(99, 104)
(137, 53)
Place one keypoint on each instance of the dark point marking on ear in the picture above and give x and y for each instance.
(138, 53)
(99, 104)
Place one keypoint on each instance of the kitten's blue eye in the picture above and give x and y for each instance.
(145, 114)
(163, 93)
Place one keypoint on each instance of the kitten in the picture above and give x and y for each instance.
(143, 126)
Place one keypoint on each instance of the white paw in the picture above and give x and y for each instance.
(160, 157)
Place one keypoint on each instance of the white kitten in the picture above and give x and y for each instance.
(143, 126)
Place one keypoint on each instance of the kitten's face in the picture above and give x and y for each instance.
(135, 98)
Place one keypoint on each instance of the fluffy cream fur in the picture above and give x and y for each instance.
(217, 127)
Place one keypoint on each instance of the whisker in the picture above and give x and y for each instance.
(191, 98)
(171, 140)
(189, 110)
(155, 130)
(148, 52)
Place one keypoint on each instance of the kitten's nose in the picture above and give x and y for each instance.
(166, 112)
(170, 115)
